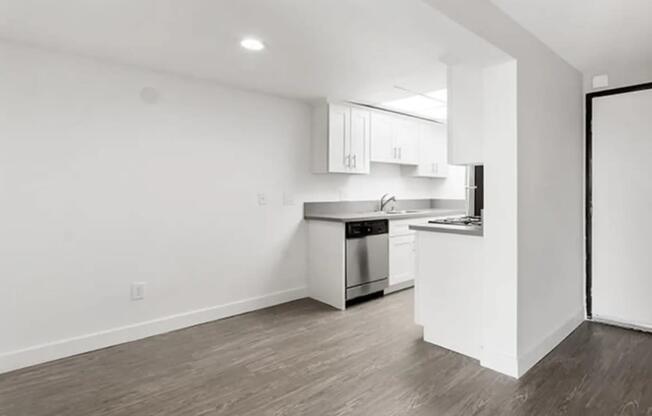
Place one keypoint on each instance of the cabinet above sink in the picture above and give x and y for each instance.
(347, 137)
(394, 139)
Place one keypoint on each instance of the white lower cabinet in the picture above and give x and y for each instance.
(402, 260)
(403, 252)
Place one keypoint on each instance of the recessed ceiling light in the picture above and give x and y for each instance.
(252, 44)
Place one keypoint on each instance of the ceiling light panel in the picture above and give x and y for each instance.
(252, 44)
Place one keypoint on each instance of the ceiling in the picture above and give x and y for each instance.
(344, 49)
(596, 36)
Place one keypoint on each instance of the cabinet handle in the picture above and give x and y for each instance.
(347, 161)
(355, 161)
(400, 153)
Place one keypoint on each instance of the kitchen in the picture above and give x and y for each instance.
(459, 255)
(361, 249)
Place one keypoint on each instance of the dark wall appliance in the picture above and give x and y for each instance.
(478, 192)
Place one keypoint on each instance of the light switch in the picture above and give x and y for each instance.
(262, 199)
(138, 291)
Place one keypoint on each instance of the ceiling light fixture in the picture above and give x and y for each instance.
(428, 96)
(252, 44)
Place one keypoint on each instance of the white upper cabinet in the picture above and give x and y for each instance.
(433, 156)
(339, 132)
(359, 142)
(347, 137)
(406, 137)
(382, 141)
(340, 139)
(394, 139)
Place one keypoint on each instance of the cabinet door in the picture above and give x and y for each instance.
(359, 141)
(406, 141)
(339, 134)
(432, 151)
(382, 146)
(402, 260)
(440, 150)
(426, 151)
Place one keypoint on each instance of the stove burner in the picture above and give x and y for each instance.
(476, 221)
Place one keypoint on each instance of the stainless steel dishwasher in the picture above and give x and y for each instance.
(367, 257)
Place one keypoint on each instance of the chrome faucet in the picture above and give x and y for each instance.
(386, 199)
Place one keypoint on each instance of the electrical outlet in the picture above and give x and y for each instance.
(262, 199)
(138, 291)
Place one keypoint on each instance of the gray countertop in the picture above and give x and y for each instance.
(376, 215)
(472, 230)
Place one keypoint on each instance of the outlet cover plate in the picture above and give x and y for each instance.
(138, 291)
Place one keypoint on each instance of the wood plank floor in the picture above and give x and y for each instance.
(303, 358)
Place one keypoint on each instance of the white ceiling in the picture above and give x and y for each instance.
(345, 49)
(595, 36)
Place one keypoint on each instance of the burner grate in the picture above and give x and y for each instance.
(477, 221)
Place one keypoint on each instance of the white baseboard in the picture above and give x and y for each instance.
(432, 337)
(517, 367)
(37, 354)
(614, 321)
(497, 361)
(536, 353)
(400, 286)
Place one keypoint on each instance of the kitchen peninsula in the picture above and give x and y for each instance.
(448, 285)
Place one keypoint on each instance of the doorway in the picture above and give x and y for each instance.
(618, 201)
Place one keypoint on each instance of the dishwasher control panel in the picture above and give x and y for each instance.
(362, 229)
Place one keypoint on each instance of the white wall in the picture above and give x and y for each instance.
(483, 130)
(549, 253)
(99, 188)
(550, 205)
(621, 74)
(465, 114)
(500, 280)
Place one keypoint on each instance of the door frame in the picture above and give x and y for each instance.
(588, 177)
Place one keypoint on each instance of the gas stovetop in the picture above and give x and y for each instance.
(477, 221)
